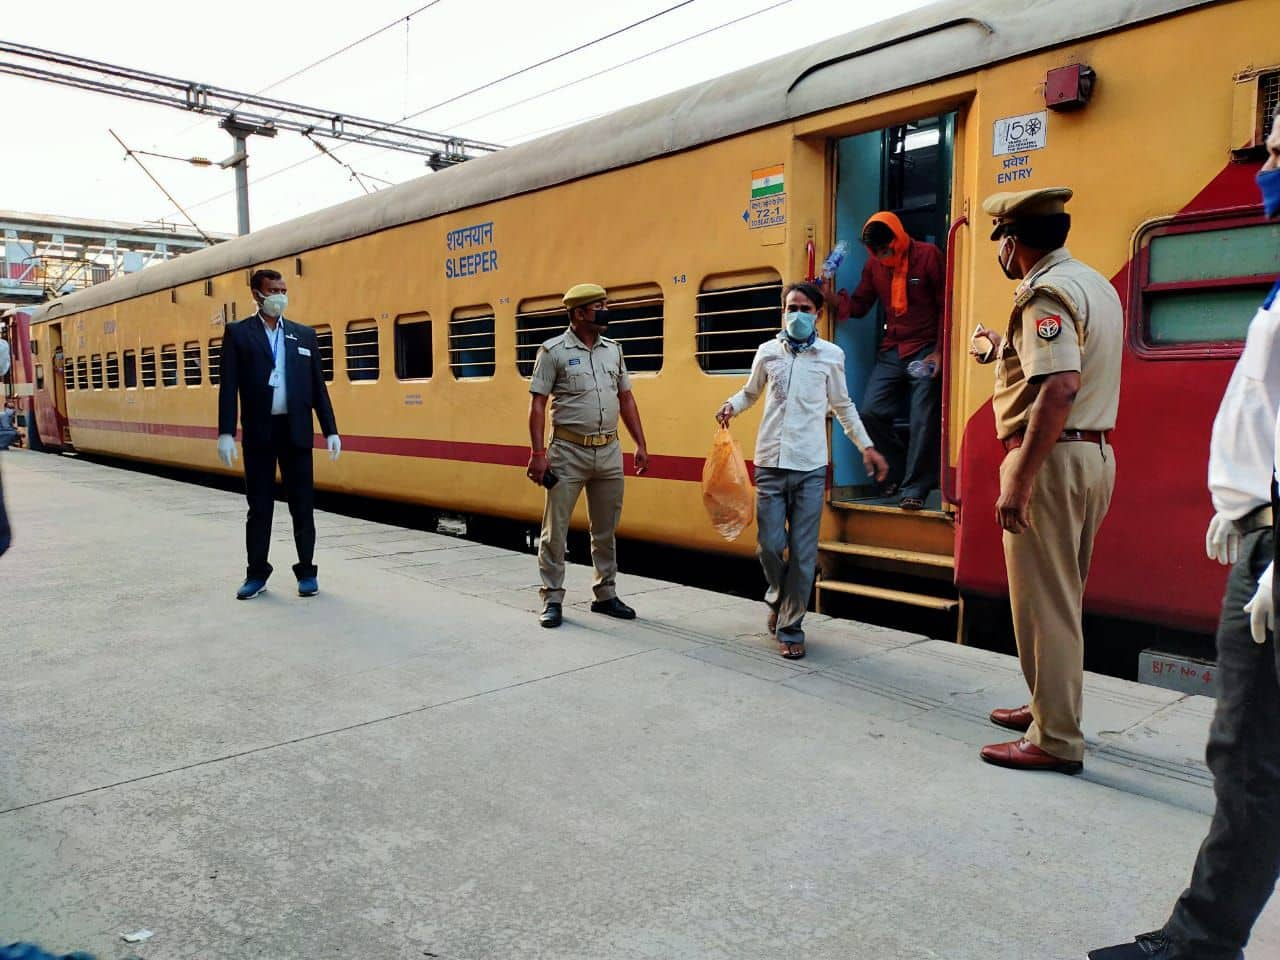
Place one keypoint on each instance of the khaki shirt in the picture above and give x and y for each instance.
(583, 384)
(1066, 317)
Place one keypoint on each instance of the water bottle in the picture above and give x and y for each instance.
(921, 369)
(834, 259)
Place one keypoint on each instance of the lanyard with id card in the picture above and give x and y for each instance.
(273, 381)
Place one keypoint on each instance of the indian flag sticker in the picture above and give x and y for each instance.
(767, 182)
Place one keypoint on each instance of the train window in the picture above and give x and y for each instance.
(148, 366)
(471, 343)
(324, 339)
(736, 313)
(191, 363)
(362, 350)
(1201, 283)
(538, 319)
(130, 369)
(113, 371)
(413, 347)
(82, 373)
(95, 364)
(215, 361)
(39, 376)
(169, 365)
(635, 321)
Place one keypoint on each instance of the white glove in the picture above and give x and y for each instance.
(1261, 608)
(1222, 540)
(226, 448)
(335, 445)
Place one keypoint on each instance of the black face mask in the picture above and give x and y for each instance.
(1006, 266)
(601, 318)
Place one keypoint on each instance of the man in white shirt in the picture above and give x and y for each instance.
(803, 376)
(1239, 862)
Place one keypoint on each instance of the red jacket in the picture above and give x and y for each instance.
(920, 326)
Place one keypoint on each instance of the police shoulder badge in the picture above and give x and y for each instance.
(1049, 327)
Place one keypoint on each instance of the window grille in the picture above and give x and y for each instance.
(191, 363)
(169, 365)
(736, 313)
(148, 366)
(324, 342)
(113, 371)
(215, 361)
(471, 342)
(362, 350)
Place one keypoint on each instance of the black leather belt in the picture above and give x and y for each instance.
(1014, 441)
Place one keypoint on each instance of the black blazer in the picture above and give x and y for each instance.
(246, 366)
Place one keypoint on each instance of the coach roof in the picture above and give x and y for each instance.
(940, 40)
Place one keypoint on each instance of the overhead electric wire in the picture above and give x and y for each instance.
(132, 156)
(616, 66)
(484, 86)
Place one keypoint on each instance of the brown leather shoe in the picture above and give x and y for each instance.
(1025, 755)
(1014, 718)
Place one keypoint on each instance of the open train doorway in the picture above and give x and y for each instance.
(906, 170)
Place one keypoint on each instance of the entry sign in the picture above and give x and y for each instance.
(1017, 134)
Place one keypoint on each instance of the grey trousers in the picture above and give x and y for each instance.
(913, 467)
(1239, 861)
(788, 514)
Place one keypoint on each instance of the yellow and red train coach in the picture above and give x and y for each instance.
(693, 209)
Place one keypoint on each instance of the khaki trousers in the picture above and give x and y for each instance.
(1048, 566)
(599, 469)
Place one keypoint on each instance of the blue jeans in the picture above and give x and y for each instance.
(788, 514)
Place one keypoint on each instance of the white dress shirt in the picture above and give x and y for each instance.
(1242, 446)
(800, 386)
(279, 398)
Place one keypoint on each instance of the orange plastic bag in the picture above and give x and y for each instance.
(726, 487)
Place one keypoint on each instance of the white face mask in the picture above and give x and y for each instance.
(274, 305)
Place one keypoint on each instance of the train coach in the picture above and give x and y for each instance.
(430, 298)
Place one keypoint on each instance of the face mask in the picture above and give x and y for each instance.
(1006, 265)
(800, 325)
(601, 318)
(1269, 186)
(273, 306)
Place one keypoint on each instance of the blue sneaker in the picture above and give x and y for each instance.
(308, 587)
(251, 588)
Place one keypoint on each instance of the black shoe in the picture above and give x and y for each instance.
(1145, 946)
(551, 616)
(613, 607)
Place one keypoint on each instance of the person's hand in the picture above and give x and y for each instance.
(976, 351)
(1261, 609)
(226, 448)
(334, 443)
(936, 359)
(642, 461)
(1013, 507)
(875, 463)
(537, 467)
(1222, 540)
(725, 414)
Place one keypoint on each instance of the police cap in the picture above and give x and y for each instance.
(581, 294)
(1007, 209)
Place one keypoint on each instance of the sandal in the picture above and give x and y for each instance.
(911, 503)
(791, 651)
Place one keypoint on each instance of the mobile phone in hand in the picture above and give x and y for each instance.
(976, 340)
(549, 479)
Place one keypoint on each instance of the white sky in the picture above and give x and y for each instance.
(60, 159)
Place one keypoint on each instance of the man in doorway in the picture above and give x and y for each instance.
(272, 367)
(1057, 392)
(583, 370)
(905, 276)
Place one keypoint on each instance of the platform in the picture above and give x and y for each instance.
(407, 766)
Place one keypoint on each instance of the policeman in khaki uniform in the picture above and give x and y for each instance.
(584, 372)
(1057, 392)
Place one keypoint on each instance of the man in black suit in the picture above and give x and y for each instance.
(272, 366)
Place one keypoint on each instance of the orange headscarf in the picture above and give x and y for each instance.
(896, 262)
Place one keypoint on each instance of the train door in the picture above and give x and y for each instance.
(907, 169)
(59, 431)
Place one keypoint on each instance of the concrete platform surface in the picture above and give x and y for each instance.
(408, 766)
